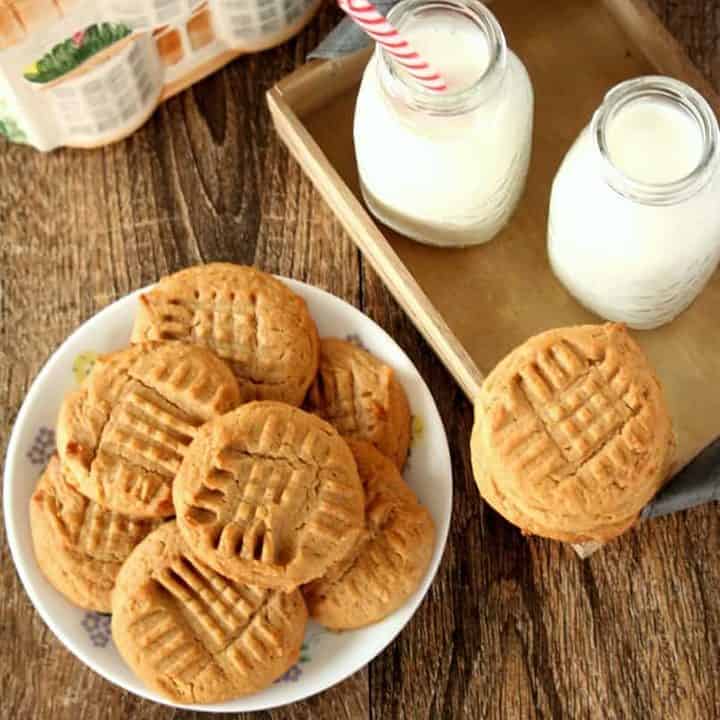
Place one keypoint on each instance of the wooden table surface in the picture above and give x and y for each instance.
(511, 628)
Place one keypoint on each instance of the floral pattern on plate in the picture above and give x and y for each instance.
(97, 626)
(43, 446)
(295, 672)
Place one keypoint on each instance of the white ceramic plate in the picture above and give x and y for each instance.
(327, 658)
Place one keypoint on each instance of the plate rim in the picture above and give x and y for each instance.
(13, 452)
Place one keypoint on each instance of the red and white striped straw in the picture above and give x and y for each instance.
(369, 18)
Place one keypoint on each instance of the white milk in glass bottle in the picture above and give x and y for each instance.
(634, 226)
(445, 168)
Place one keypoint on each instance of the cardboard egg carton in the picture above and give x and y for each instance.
(86, 73)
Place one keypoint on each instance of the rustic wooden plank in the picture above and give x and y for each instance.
(695, 24)
(511, 628)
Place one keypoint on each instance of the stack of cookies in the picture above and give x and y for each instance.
(572, 434)
(193, 498)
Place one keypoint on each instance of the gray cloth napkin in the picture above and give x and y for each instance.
(698, 482)
(347, 37)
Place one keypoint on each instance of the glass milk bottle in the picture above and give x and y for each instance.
(445, 168)
(634, 224)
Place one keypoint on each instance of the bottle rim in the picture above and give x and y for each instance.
(668, 90)
(402, 86)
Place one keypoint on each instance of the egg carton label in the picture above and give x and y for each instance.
(152, 13)
(89, 72)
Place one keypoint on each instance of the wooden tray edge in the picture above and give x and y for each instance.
(659, 46)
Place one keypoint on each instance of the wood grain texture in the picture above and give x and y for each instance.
(511, 628)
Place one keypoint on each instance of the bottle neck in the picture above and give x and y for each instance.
(474, 18)
(674, 96)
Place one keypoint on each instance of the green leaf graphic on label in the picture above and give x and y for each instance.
(9, 126)
(73, 52)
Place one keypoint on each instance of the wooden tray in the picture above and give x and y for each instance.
(475, 305)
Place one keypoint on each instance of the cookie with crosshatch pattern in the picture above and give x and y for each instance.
(123, 433)
(194, 635)
(80, 546)
(253, 321)
(572, 434)
(390, 558)
(360, 395)
(269, 495)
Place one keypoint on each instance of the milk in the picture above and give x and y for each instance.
(452, 42)
(654, 141)
(634, 221)
(445, 171)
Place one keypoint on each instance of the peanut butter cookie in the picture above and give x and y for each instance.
(80, 546)
(247, 317)
(572, 434)
(123, 433)
(391, 557)
(362, 398)
(269, 495)
(194, 635)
